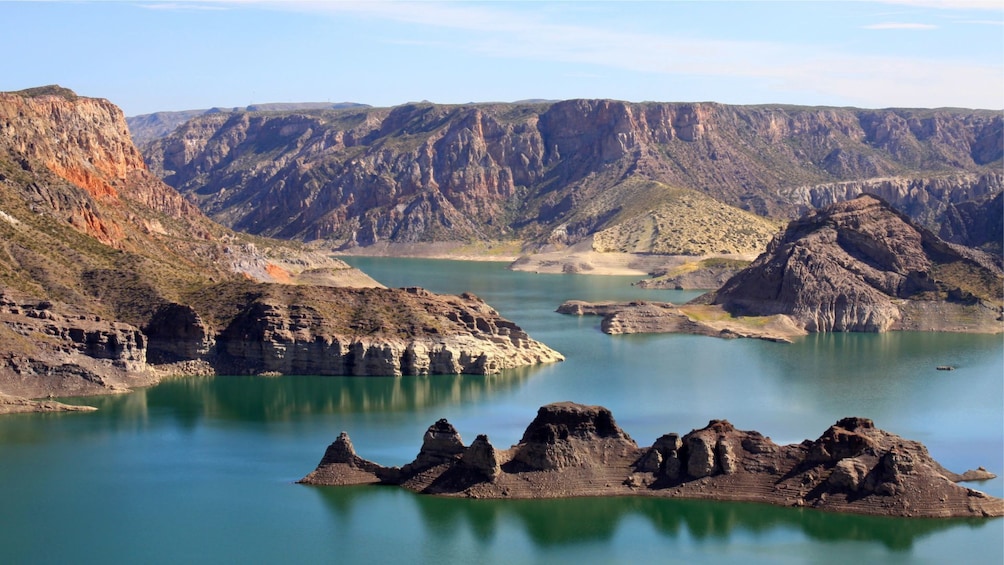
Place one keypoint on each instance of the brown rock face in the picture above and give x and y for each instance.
(48, 348)
(575, 450)
(559, 172)
(570, 435)
(177, 333)
(440, 445)
(335, 331)
(108, 247)
(860, 266)
(341, 465)
(85, 141)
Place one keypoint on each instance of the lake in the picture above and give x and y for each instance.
(203, 469)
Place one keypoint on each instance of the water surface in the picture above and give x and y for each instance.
(202, 469)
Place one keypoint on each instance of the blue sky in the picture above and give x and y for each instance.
(151, 56)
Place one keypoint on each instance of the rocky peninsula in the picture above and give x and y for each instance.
(642, 316)
(50, 348)
(860, 265)
(111, 280)
(854, 266)
(572, 450)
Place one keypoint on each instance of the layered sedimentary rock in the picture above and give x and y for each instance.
(561, 172)
(576, 450)
(67, 162)
(149, 127)
(108, 276)
(55, 349)
(862, 266)
(337, 331)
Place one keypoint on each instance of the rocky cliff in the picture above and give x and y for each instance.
(68, 162)
(340, 331)
(859, 265)
(51, 349)
(575, 450)
(106, 272)
(560, 172)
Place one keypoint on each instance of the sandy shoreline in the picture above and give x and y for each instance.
(579, 259)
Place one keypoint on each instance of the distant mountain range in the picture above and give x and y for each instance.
(630, 177)
(148, 127)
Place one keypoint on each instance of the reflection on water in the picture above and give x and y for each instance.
(205, 466)
(274, 399)
(560, 522)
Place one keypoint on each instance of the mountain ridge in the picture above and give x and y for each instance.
(524, 172)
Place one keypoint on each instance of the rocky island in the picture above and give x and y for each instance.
(857, 265)
(572, 450)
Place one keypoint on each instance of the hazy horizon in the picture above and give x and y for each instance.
(170, 56)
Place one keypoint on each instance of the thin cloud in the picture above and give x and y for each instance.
(787, 68)
(179, 6)
(990, 5)
(900, 25)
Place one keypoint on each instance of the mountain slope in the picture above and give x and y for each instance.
(861, 266)
(84, 221)
(109, 279)
(557, 173)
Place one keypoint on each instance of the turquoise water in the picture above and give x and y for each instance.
(203, 470)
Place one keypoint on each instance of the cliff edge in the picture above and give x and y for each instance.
(110, 279)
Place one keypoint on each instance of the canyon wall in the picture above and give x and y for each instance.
(560, 172)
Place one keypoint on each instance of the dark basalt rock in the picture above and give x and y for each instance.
(575, 450)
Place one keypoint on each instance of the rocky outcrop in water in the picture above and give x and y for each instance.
(644, 317)
(575, 450)
(861, 266)
(561, 172)
(338, 331)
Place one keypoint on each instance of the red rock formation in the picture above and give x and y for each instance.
(86, 142)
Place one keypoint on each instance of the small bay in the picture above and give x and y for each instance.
(203, 469)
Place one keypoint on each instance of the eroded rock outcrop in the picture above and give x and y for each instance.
(50, 348)
(861, 266)
(338, 331)
(177, 333)
(640, 316)
(577, 450)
